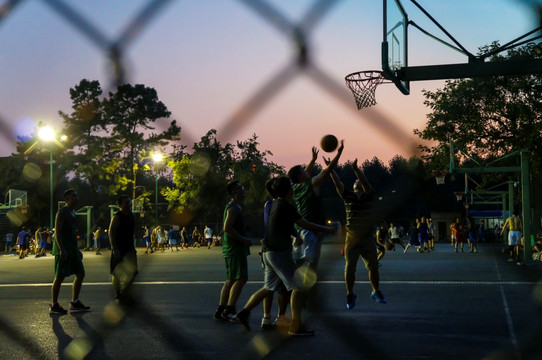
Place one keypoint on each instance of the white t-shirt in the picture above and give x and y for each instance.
(208, 233)
(394, 232)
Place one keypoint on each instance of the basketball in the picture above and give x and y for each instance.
(329, 143)
(389, 246)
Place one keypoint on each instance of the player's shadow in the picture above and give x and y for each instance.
(98, 348)
(63, 338)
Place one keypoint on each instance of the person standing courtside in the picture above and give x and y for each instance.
(235, 249)
(208, 236)
(9, 242)
(97, 244)
(123, 253)
(513, 223)
(68, 258)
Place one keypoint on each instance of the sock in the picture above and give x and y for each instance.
(76, 300)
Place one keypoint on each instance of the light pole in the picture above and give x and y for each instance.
(47, 134)
(157, 158)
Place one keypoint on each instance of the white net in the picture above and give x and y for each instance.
(363, 85)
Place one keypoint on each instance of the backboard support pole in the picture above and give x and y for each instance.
(471, 70)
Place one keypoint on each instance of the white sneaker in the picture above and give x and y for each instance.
(267, 323)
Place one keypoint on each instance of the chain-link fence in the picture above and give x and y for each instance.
(115, 51)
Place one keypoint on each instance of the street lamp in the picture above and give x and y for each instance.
(47, 134)
(157, 158)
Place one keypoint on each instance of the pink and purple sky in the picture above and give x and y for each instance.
(206, 58)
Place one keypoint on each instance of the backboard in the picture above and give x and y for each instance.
(395, 43)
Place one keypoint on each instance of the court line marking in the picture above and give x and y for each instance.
(327, 282)
(509, 321)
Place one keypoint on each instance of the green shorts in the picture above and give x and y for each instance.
(236, 267)
(72, 265)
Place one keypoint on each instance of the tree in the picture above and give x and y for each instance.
(486, 117)
(200, 178)
(130, 114)
(86, 139)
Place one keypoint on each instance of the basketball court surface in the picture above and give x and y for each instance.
(441, 305)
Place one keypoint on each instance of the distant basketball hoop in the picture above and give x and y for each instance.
(459, 195)
(440, 176)
(363, 85)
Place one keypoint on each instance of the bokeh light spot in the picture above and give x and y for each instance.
(24, 129)
(31, 172)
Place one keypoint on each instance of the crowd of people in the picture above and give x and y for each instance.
(27, 243)
(163, 238)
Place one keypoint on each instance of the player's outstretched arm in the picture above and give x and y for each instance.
(336, 180)
(314, 227)
(319, 179)
(362, 179)
(310, 166)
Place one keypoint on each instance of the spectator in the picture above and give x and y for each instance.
(208, 236)
(23, 240)
(9, 242)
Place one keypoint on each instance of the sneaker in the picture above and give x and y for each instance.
(301, 332)
(78, 306)
(455, 250)
(267, 323)
(378, 297)
(218, 313)
(351, 301)
(242, 318)
(57, 309)
(229, 313)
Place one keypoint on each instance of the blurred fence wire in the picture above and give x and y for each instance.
(114, 50)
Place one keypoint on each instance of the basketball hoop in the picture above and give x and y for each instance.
(363, 85)
(459, 195)
(440, 176)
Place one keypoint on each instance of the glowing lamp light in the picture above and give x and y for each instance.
(46, 133)
(157, 157)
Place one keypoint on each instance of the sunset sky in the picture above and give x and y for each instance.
(208, 58)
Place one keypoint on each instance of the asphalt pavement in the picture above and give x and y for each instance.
(441, 305)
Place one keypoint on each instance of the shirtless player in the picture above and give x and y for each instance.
(513, 223)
